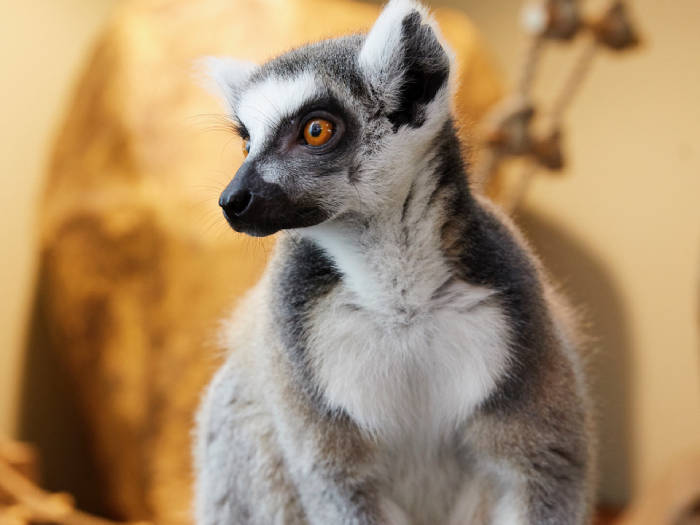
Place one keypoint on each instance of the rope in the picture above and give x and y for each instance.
(600, 34)
(563, 100)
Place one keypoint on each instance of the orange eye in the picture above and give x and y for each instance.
(245, 146)
(318, 131)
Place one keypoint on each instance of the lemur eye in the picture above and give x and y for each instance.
(318, 131)
(245, 146)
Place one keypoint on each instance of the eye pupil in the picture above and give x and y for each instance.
(315, 129)
(318, 131)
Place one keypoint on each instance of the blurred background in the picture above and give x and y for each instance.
(116, 264)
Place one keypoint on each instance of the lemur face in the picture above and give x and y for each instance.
(334, 128)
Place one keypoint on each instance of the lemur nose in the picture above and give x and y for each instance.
(236, 203)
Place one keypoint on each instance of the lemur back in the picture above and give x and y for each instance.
(403, 359)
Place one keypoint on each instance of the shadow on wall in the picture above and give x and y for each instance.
(588, 287)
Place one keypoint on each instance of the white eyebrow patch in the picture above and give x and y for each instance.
(265, 104)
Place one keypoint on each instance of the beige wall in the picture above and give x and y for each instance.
(42, 44)
(629, 204)
(628, 208)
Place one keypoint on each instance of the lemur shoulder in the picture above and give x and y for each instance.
(403, 359)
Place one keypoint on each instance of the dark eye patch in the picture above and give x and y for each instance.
(326, 104)
(289, 133)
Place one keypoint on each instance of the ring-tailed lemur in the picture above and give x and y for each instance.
(403, 359)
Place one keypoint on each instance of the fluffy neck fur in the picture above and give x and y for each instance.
(396, 261)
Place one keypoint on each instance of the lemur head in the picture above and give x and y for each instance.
(336, 128)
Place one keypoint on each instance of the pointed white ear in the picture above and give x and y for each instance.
(224, 77)
(383, 47)
(406, 63)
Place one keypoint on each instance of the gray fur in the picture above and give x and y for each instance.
(276, 441)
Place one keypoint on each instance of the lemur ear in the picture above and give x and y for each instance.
(405, 61)
(225, 77)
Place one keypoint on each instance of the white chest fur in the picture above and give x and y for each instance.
(423, 374)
